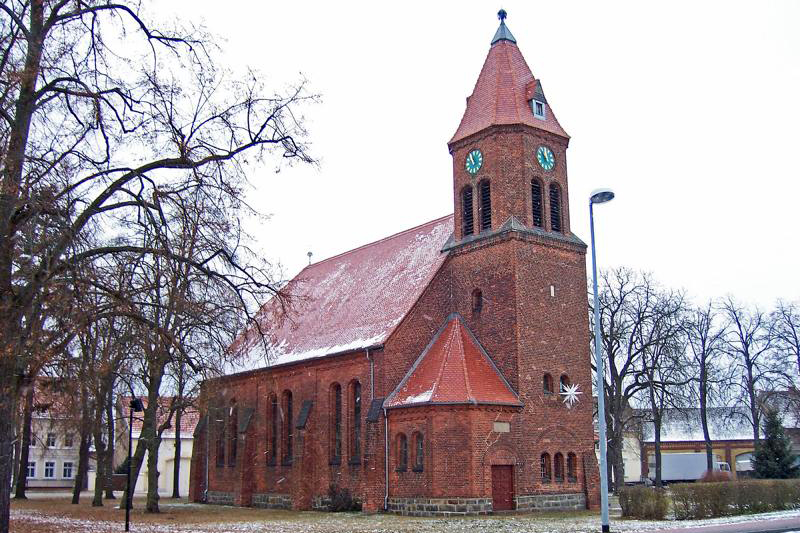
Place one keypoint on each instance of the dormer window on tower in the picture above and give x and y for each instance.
(539, 109)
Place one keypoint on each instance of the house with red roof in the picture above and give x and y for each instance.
(439, 371)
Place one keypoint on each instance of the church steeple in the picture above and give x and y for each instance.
(509, 151)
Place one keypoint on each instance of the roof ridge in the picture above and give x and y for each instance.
(384, 239)
(464, 362)
(448, 348)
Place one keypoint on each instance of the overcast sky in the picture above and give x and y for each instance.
(688, 110)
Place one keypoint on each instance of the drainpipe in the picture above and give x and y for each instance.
(208, 436)
(386, 459)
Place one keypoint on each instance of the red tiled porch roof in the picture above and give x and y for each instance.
(453, 369)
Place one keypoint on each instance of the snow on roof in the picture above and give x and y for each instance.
(189, 418)
(683, 425)
(453, 369)
(348, 302)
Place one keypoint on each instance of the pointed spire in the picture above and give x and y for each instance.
(503, 33)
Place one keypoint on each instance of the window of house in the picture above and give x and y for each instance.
(287, 428)
(477, 301)
(537, 203)
(467, 211)
(336, 423)
(31, 469)
(402, 453)
(68, 440)
(220, 444)
(538, 109)
(546, 471)
(51, 440)
(547, 384)
(355, 436)
(66, 471)
(272, 454)
(233, 433)
(558, 461)
(564, 383)
(49, 469)
(419, 452)
(555, 207)
(486, 205)
(572, 468)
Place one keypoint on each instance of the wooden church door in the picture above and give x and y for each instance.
(502, 487)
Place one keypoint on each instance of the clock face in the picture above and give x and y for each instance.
(546, 158)
(474, 161)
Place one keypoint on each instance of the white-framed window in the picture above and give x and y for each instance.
(49, 469)
(68, 440)
(66, 471)
(31, 469)
(539, 109)
(51, 440)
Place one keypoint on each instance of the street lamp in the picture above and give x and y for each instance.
(600, 196)
(136, 407)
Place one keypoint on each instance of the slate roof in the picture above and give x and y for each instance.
(349, 302)
(189, 418)
(453, 369)
(502, 92)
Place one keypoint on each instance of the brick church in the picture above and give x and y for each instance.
(441, 370)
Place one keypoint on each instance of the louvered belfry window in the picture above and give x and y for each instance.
(486, 205)
(555, 207)
(538, 206)
(467, 211)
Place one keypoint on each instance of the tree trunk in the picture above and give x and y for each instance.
(704, 414)
(8, 408)
(100, 474)
(152, 474)
(135, 465)
(83, 465)
(657, 432)
(109, 466)
(176, 472)
(25, 447)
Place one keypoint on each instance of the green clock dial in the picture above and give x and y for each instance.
(546, 158)
(474, 161)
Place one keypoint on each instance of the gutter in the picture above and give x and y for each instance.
(386, 459)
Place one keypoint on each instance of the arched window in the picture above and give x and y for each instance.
(272, 455)
(402, 452)
(537, 202)
(477, 301)
(544, 463)
(558, 459)
(555, 207)
(485, 212)
(564, 383)
(547, 384)
(219, 423)
(355, 420)
(572, 467)
(336, 423)
(233, 432)
(287, 428)
(467, 211)
(419, 452)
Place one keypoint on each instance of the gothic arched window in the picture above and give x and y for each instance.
(272, 455)
(564, 383)
(402, 452)
(355, 420)
(572, 467)
(558, 461)
(287, 428)
(467, 211)
(419, 452)
(555, 207)
(477, 301)
(547, 384)
(219, 422)
(537, 201)
(233, 432)
(336, 423)
(544, 463)
(485, 205)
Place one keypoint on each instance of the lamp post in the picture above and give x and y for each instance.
(600, 196)
(138, 407)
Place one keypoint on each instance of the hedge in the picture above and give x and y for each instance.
(710, 500)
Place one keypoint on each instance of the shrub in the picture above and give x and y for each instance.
(341, 500)
(708, 500)
(715, 476)
(643, 502)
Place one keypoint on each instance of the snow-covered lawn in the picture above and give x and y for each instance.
(212, 519)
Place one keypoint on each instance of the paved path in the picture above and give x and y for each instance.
(774, 525)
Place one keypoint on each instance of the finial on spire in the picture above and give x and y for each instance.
(503, 33)
(502, 15)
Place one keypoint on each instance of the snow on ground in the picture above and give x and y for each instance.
(359, 523)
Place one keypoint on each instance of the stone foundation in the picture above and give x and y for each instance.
(272, 501)
(551, 502)
(440, 506)
(220, 498)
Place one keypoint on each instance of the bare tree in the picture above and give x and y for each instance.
(705, 335)
(89, 141)
(786, 332)
(749, 344)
